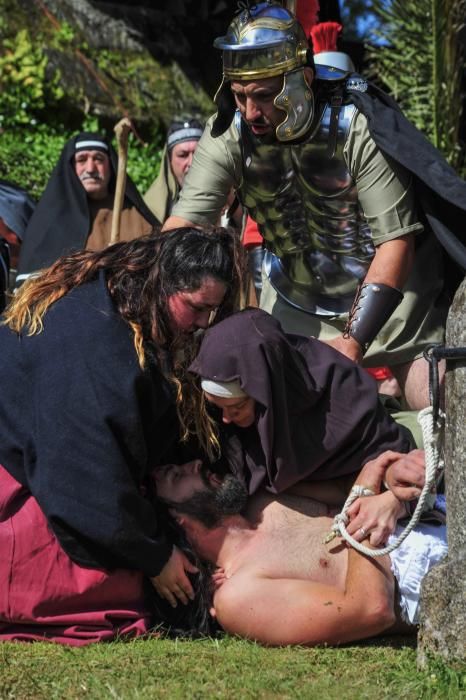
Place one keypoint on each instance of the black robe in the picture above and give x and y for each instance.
(318, 415)
(81, 425)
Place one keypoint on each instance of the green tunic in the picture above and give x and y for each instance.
(385, 197)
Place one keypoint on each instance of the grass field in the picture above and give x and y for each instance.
(223, 668)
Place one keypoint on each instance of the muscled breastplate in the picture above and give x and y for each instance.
(305, 202)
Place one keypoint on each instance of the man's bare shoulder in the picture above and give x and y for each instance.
(233, 591)
(283, 611)
(237, 599)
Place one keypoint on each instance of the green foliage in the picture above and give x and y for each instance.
(148, 89)
(144, 162)
(25, 89)
(52, 84)
(28, 156)
(421, 64)
(64, 35)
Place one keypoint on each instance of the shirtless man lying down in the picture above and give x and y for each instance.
(278, 583)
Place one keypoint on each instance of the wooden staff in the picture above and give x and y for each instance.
(122, 130)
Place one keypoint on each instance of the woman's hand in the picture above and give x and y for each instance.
(172, 582)
(374, 517)
(406, 476)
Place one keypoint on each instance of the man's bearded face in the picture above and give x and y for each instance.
(191, 489)
(255, 101)
(177, 482)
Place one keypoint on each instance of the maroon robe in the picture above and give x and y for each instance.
(44, 595)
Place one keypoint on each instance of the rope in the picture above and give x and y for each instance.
(431, 433)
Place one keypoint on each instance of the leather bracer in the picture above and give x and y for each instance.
(372, 307)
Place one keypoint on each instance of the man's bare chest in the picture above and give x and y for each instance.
(288, 543)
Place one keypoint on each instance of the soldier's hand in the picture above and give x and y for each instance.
(347, 346)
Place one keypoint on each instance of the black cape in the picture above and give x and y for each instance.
(318, 415)
(61, 221)
(439, 191)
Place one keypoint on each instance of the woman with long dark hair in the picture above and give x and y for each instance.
(94, 352)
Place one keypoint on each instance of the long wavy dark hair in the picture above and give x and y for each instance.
(141, 275)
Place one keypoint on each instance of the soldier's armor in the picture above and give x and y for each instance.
(306, 205)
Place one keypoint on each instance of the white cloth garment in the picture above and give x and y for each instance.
(424, 547)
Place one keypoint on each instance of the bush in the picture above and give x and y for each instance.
(37, 118)
(25, 91)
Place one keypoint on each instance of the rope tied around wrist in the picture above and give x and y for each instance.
(432, 422)
(432, 433)
(341, 519)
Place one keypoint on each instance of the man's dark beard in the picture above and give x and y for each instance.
(211, 506)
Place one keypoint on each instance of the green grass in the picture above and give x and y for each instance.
(224, 668)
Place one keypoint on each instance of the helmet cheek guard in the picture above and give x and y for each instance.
(297, 100)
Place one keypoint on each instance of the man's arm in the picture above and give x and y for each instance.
(177, 222)
(278, 612)
(386, 196)
(391, 265)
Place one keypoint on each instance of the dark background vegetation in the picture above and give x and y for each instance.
(70, 65)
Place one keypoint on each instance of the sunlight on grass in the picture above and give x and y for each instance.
(224, 668)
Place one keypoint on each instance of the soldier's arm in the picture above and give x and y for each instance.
(176, 222)
(390, 266)
(387, 200)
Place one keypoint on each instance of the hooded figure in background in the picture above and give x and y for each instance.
(16, 208)
(76, 208)
(182, 139)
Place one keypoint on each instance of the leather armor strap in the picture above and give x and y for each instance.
(372, 307)
(335, 102)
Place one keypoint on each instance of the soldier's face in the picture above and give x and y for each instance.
(255, 101)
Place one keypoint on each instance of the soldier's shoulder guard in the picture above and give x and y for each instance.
(357, 82)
